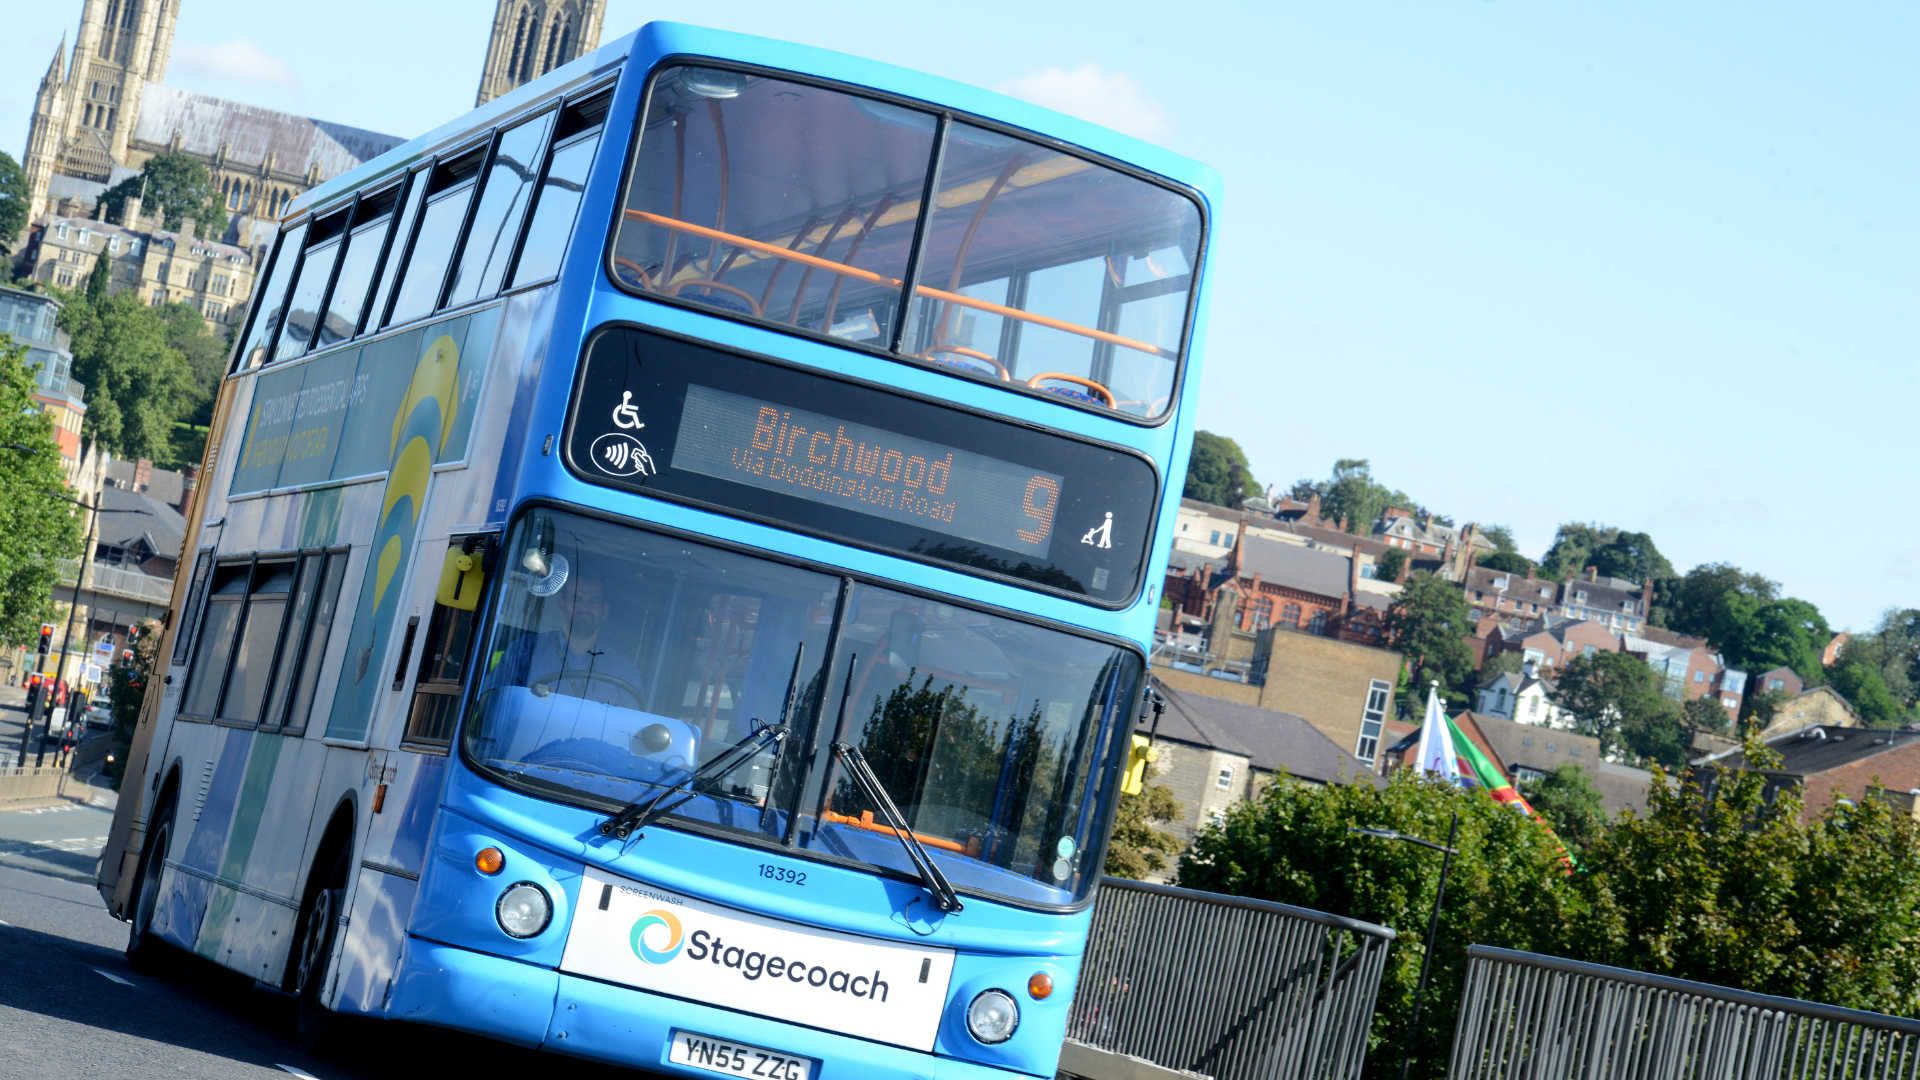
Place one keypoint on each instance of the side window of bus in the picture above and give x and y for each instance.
(449, 195)
(324, 237)
(315, 600)
(262, 618)
(365, 242)
(218, 626)
(389, 271)
(269, 301)
(196, 603)
(561, 188)
(507, 186)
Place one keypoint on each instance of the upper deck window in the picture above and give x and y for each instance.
(790, 204)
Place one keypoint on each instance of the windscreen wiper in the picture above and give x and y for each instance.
(637, 815)
(944, 897)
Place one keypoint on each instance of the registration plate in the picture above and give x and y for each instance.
(736, 1059)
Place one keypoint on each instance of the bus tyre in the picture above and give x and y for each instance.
(146, 953)
(317, 1029)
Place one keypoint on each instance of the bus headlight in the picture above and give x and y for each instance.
(524, 909)
(993, 1017)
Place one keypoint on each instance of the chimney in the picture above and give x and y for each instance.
(189, 480)
(1405, 565)
(142, 474)
(1429, 522)
(1353, 581)
(1313, 509)
(1239, 544)
(1593, 573)
(130, 211)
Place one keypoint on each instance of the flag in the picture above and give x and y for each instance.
(1489, 775)
(1434, 752)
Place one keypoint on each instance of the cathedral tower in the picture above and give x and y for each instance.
(83, 115)
(532, 37)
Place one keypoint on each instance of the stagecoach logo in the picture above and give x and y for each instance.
(665, 919)
(619, 454)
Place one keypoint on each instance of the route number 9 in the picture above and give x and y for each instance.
(1042, 496)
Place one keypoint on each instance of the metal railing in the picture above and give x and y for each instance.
(1530, 1017)
(116, 581)
(1225, 986)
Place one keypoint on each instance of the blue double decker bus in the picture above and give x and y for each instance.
(674, 573)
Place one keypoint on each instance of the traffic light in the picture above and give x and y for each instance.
(1139, 756)
(126, 656)
(46, 638)
(33, 680)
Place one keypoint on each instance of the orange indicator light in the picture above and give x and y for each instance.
(1040, 987)
(489, 861)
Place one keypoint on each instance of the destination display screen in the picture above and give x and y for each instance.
(688, 421)
(822, 458)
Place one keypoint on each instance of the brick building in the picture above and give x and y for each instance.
(1552, 642)
(1689, 668)
(1511, 598)
(1828, 763)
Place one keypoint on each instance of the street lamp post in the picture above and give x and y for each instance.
(1433, 924)
(79, 578)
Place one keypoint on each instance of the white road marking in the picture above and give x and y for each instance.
(4, 922)
(111, 975)
(79, 845)
(299, 1072)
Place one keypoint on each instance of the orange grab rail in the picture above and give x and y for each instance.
(1063, 377)
(865, 821)
(895, 283)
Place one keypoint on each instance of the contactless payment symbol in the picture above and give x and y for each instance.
(646, 922)
(619, 454)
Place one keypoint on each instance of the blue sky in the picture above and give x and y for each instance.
(1654, 265)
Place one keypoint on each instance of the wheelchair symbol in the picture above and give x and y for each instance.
(625, 416)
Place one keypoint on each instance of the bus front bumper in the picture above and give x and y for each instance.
(535, 1006)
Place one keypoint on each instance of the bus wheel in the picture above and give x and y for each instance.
(317, 1028)
(146, 953)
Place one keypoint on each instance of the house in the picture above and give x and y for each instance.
(1262, 582)
(1510, 597)
(1425, 537)
(1215, 752)
(1829, 763)
(1610, 601)
(157, 264)
(1520, 697)
(1553, 641)
(28, 318)
(1821, 706)
(1781, 680)
(1690, 669)
(143, 533)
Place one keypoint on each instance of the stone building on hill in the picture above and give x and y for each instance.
(101, 113)
(159, 266)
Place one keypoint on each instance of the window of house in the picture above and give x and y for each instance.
(1225, 780)
(1574, 750)
(1533, 708)
(1588, 650)
(1290, 615)
(1699, 676)
(1372, 716)
(1263, 613)
(1216, 538)
(558, 200)
(1776, 684)
(1317, 624)
(1730, 702)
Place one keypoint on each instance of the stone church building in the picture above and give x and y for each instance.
(101, 113)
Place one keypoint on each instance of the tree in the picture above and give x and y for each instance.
(1730, 885)
(1501, 537)
(176, 186)
(15, 200)
(1294, 844)
(1567, 800)
(1695, 602)
(1429, 623)
(1858, 679)
(1218, 472)
(1611, 694)
(1138, 848)
(137, 384)
(1507, 562)
(1391, 562)
(1573, 545)
(1632, 556)
(1503, 663)
(35, 527)
(1759, 635)
(1760, 709)
(1354, 495)
(100, 279)
(1891, 648)
(1704, 714)
(206, 357)
(127, 690)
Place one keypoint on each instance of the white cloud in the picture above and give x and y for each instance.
(236, 61)
(1110, 98)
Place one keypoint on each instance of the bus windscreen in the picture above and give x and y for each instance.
(812, 452)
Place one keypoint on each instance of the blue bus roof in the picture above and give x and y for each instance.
(663, 39)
